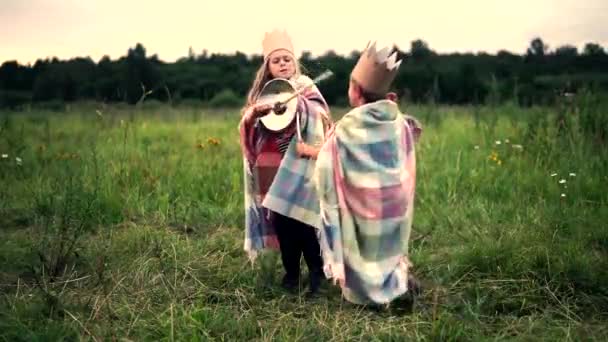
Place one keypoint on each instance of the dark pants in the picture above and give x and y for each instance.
(297, 238)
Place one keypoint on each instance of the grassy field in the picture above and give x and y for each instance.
(127, 224)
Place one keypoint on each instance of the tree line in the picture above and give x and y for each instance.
(534, 77)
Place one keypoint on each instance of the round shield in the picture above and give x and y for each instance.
(278, 90)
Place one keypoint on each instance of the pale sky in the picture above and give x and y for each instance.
(31, 29)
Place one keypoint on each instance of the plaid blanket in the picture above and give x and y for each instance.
(365, 178)
(276, 178)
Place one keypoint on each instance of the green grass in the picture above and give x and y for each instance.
(127, 224)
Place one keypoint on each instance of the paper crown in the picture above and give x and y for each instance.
(276, 40)
(376, 70)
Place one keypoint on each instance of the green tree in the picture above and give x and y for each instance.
(140, 71)
(537, 48)
(568, 51)
(419, 50)
(593, 49)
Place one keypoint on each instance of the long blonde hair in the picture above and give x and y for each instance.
(261, 77)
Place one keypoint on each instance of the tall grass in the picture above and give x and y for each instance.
(127, 223)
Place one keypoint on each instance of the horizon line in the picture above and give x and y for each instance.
(251, 55)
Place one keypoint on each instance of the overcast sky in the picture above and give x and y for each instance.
(31, 29)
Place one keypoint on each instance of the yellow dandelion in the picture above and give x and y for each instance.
(213, 141)
(67, 156)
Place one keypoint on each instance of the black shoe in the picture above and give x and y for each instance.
(290, 283)
(316, 277)
(413, 285)
(403, 304)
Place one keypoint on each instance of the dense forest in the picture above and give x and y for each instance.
(535, 77)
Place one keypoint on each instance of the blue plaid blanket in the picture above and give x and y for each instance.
(365, 178)
(291, 192)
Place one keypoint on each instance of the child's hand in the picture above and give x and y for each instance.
(279, 108)
(254, 112)
(261, 110)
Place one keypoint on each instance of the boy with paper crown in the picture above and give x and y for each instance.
(281, 206)
(365, 178)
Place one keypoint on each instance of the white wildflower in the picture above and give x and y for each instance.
(4, 156)
(562, 181)
(572, 174)
(507, 141)
(563, 195)
(18, 160)
(497, 142)
(517, 146)
(553, 174)
(477, 147)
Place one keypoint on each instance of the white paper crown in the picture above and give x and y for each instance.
(376, 70)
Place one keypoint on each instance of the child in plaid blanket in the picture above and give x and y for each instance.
(281, 206)
(365, 178)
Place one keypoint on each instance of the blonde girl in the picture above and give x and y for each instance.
(281, 206)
